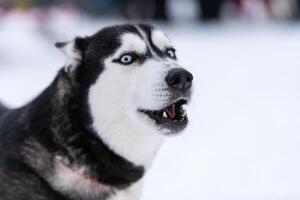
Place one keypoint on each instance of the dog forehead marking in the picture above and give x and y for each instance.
(160, 40)
(144, 35)
(133, 42)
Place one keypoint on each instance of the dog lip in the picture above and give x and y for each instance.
(166, 119)
(183, 100)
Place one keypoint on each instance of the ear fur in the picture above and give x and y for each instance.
(73, 51)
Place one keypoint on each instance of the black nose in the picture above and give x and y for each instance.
(179, 79)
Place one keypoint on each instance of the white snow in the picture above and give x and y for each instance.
(243, 141)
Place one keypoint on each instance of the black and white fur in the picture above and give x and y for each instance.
(83, 137)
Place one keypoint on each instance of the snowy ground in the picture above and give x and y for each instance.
(243, 139)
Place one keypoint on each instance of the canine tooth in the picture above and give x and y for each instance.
(184, 107)
(165, 114)
(184, 114)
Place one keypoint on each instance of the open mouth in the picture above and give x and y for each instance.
(172, 117)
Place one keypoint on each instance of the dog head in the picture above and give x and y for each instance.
(132, 81)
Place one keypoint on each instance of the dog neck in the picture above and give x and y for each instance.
(132, 142)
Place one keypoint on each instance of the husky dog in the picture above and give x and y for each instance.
(93, 133)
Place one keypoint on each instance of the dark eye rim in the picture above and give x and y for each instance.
(174, 52)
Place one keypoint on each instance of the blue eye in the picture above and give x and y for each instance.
(127, 59)
(171, 53)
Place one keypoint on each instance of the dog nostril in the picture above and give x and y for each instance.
(179, 79)
(175, 81)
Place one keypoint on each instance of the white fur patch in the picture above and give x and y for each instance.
(74, 182)
(114, 106)
(160, 40)
(132, 42)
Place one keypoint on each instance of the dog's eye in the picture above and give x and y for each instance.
(171, 53)
(127, 59)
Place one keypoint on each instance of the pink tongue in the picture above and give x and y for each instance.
(171, 111)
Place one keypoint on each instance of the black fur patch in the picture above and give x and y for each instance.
(2, 109)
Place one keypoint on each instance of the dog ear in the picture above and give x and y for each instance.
(73, 50)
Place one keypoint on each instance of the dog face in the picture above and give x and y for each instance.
(132, 72)
(132, 81)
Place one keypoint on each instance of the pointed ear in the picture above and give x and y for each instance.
(73, 51)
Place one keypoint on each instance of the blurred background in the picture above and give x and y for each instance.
(243, 139)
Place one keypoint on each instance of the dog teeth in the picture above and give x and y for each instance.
(184, 114)
(165, 114)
